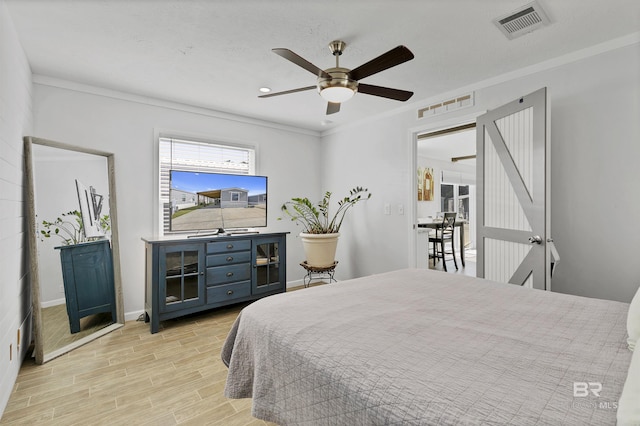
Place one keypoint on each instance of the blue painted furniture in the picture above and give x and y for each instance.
(188, 275)
(87, 271)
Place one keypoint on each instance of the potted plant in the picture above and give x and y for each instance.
(321, 229)
(69, 228)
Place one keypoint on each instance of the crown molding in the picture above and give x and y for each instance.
(578, 55)
(45, 80)
(595, 50)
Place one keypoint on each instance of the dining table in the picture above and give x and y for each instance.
(458, 224)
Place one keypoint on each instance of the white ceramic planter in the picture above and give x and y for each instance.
(320, 249)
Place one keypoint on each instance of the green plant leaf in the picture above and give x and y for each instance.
(316, 218)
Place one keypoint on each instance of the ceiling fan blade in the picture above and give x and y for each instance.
(300, 61)
(395, 56)
(333, 107)
(286, 92)
(384, 92)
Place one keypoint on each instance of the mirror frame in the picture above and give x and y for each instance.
(32, 235)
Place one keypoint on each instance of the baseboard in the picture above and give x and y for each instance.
(51, 303)
(294, 284)
(133, 316)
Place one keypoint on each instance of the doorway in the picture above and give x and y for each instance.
(446, 180)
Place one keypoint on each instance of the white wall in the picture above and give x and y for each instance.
(127, 126)
(595, 135)
(15, 121)
(375, 155)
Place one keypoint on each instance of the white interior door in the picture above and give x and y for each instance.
(513, 178)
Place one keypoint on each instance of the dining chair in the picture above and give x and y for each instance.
(443, 234)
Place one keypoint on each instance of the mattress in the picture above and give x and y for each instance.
(421, 347)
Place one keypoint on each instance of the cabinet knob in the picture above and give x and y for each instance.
(229, 246)
(229, 274)
(230, 292)
(229, 259)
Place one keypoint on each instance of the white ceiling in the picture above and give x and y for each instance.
(447, 146)
(216, 54)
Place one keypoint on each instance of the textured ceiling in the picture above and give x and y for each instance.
(216, 54)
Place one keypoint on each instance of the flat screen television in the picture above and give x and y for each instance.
(206, 202)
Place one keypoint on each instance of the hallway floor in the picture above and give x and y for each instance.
(469, 268)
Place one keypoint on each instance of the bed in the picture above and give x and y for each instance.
(421, 347)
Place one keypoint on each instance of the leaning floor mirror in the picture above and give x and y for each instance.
(74, 257)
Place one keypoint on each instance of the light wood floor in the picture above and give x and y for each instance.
(56, 331)
(133, 377)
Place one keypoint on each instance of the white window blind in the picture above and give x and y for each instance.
(187, 155)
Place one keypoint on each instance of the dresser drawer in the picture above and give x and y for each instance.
(227, 246)
(227, 274)
(228, 292)
(228, 258)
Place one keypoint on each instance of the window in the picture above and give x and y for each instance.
(235, 196)
(191, 155)
(455, 198)
(447, 201)
(463, 201)
(455, 192)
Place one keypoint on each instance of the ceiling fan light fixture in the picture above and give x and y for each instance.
(339, 87)
(337, 94)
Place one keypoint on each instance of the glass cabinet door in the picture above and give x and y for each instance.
(267, 264)
(181, 277)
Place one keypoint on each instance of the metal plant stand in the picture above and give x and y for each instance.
(318, 273)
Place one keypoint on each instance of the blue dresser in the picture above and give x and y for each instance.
(187, 275)
(87, 271)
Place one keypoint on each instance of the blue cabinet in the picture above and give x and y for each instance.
(87, 272)
(189, 275)
(182, 273)
(268, 259)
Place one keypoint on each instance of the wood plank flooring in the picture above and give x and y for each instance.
(133, 377)
(56, 331)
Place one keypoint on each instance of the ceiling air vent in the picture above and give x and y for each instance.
(528, 18)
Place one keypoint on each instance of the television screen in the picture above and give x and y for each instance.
(209, 201)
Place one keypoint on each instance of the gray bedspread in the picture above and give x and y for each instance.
(420, 347)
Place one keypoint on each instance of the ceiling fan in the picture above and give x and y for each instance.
(338, 84)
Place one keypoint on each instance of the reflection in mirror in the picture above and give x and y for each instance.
(73, 243)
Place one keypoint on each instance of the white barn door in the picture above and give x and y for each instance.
(513, 193)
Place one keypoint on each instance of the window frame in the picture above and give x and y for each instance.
(160, 228)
